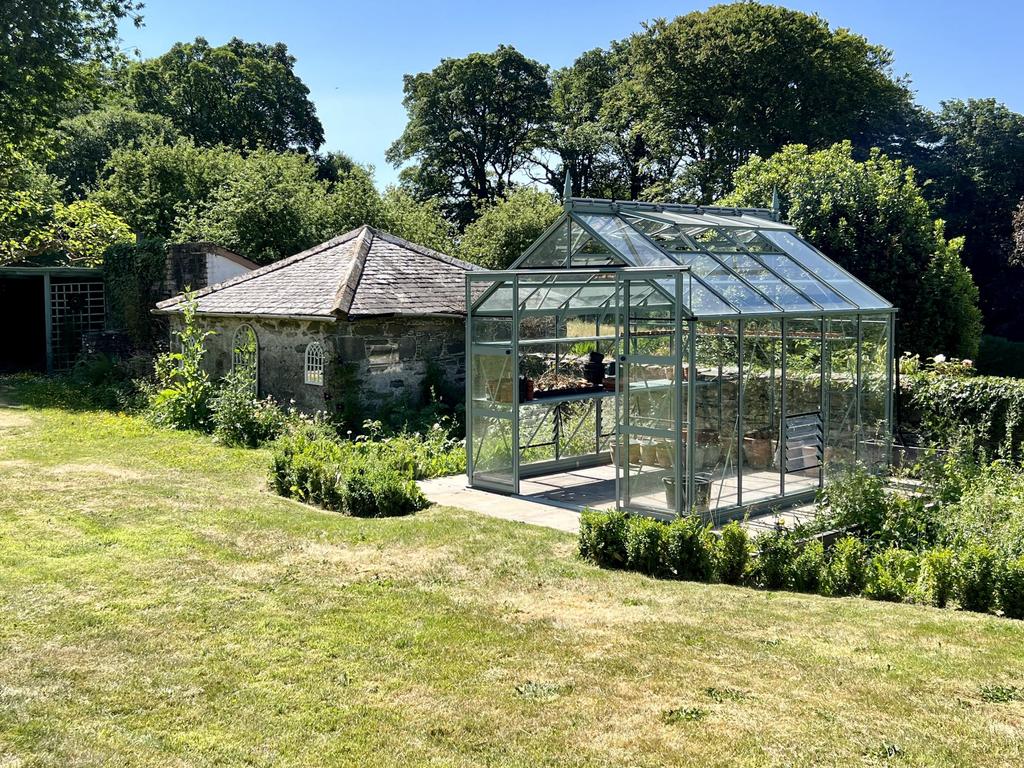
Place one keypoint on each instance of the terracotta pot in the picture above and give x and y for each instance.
(758, 452)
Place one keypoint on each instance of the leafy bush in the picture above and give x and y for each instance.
(689, 549)
(846, 571)
(430, 453)
(183, 393)
(774, 561)
(310, 469)
(938, 576)
(733, 553)
(976, 585)
(892, 575)
(855, 498)
(240, 419)
(807, 567)
(645, 545)
(1011, 589)
(602, 538)
(380, 491)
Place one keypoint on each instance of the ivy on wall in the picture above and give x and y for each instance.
(133, 274)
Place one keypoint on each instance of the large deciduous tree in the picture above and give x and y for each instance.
(977, 172)
(241, 94)
(872, 218)
(45, 47)
(712, 88)
(506, 228)
(473, 124)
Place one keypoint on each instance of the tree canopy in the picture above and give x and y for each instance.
(872, 218)
(473, 124)
(242, 95)
(507, 227)
(47, 48)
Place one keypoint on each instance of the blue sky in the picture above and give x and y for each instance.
(353, 55)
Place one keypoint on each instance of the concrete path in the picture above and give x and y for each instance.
(452, 492)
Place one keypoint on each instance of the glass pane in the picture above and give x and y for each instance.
(827, 270)
(552, 251)
(633, 247)
(805, 281)
(841, 393)
(771, 286)
(717, 413)
(762, 409)
(670, 237)
(803, 429)
(702, 301)
(734, 290)
(873, 448)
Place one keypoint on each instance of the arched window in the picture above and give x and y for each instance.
(245, 355)
(315, 364)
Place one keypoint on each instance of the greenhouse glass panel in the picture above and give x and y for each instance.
(800, 278)
(552, 251)
(715, 446)
(803, 431)
(841, 393)
(875, 378)
(633, 247)
(762, 410)
(726, 283)
(755, 273)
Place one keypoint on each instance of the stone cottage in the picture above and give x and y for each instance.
(366, 315)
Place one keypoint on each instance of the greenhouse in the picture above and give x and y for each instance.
(688, 358)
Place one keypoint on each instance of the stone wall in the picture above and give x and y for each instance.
(384, 358)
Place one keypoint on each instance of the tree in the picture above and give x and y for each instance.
(506, 228)
(420, 222)
(977, 172)
(154, 184)
(1018, 233)
(473, 123)
(872, 218)
(242, 95)
(86, 142)
(43, 47)
(709, 89)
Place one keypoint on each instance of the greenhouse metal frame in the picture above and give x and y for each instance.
(709, 357)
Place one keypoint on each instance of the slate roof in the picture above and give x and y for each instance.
(362, 273)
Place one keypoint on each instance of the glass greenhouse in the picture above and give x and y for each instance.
(702, 358)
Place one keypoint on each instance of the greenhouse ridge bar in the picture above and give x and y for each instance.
(709, 357)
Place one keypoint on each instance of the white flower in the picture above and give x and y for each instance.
(967, 363)
(939, 359)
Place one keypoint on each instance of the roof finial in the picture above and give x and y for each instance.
(776, 205)
(567, 190)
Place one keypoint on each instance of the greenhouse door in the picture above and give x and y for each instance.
(650, 407)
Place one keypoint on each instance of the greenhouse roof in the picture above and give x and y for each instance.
(740, 261)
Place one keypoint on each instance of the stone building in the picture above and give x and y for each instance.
(363, 317)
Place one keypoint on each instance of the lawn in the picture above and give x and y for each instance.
(158, 606)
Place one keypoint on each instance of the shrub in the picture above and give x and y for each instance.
(645, 545)
(892, 575)
(976, 584)
(846, 571)
(689, 549)
(602, 538)
(733, 553)
(855, 498)
(1011, 589)
(938, 576)
(807, 567)
(183, 392)
(309, 469)
(240, 419)
(773, 564)
(377, 491)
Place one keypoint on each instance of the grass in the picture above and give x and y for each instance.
(159, 607)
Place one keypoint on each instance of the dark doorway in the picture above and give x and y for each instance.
(23, 324)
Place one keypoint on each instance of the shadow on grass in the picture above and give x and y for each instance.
(63, 392)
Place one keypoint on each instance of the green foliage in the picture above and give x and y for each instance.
(308, 467)
(150, 186)
(772, 568)
(602, 538)
(239, 418)
(705, 91)
(84, 143)
(1000, 357)
(846, 570)
(991, 409)
(506, 228)
(48, 52)
(373, 490)
(132, 276)
(977, 565)
(1011, 589)
(646, 545)
(241, 95)
(182, 398)
(892, 575)
(938, 575)
(872, 218)
(689, 549)
(733, 553)
(807, 567)
(854, 498)
(473, 123)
